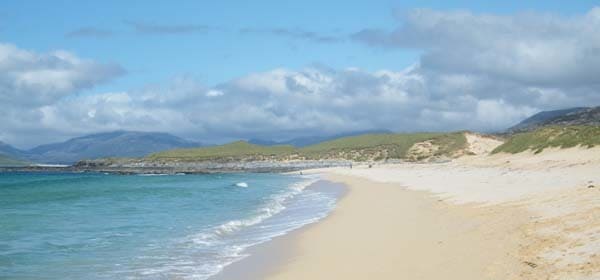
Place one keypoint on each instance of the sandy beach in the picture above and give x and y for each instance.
(523, 216)
(383, 231)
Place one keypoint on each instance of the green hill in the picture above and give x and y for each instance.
(231, 150)
(384, 146)
(552, 136)
(6, 161)
(359, 148)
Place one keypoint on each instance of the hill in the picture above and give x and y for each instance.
(110, 144)
(551, 136)
(565, 117)
(6, 161)
(311, 140)
(235, 150)
(10, 151)
(358, 148)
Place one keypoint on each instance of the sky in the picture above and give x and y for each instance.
(217, 71)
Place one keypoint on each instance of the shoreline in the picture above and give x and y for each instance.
(444, 242)
(384, 231)
(504, 216)
(263, 259)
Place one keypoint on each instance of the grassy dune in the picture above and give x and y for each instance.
(383, 146)
(360, 148)
(553, 136)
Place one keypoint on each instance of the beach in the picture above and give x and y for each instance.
(382, 231)
(523, 216)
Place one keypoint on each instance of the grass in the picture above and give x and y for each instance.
(395, 146)
(552, 136)
(360, 148)
(231, 150)
(6, 161)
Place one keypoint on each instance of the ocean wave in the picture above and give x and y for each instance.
(241, 184)
(228, 245)
(273, 207)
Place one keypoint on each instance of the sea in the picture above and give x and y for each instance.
(102, 226)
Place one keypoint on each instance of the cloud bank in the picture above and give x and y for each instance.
(476, 71)
(283, 103)
(541, 50)
(30, 81)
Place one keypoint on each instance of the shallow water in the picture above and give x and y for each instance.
(95, 226)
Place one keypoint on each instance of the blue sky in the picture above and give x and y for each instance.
(216, 71)
(213, 56)
(218, 55)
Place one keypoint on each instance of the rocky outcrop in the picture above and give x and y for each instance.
(171, 167)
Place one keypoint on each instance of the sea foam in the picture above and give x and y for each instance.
(241, 184)
(230, 240)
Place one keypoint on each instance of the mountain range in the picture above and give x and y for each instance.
(99, 145)
(139, 144)
(131, 144)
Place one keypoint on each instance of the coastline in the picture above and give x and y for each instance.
(407, 233)
(493, 217)
(383, 231)
(265, 258)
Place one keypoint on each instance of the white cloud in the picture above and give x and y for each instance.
(284, 103)
(498, 113)
(29, 79)
(542, 49)
(214, 93)
(477, 71)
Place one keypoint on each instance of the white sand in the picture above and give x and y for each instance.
(502, 216)
(561, 236)
(492, 179)
(382, 231)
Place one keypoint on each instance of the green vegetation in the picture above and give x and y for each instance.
(383, 146)
(405, 141)
(7, 161)
(552, 136)
(359, 148)
(231, 150)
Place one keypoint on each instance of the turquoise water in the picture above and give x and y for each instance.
(96, 226)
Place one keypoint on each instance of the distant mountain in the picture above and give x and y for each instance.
(571, 116)
(311, 140)
(110, 144)
(587, 116)
(10, 151)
